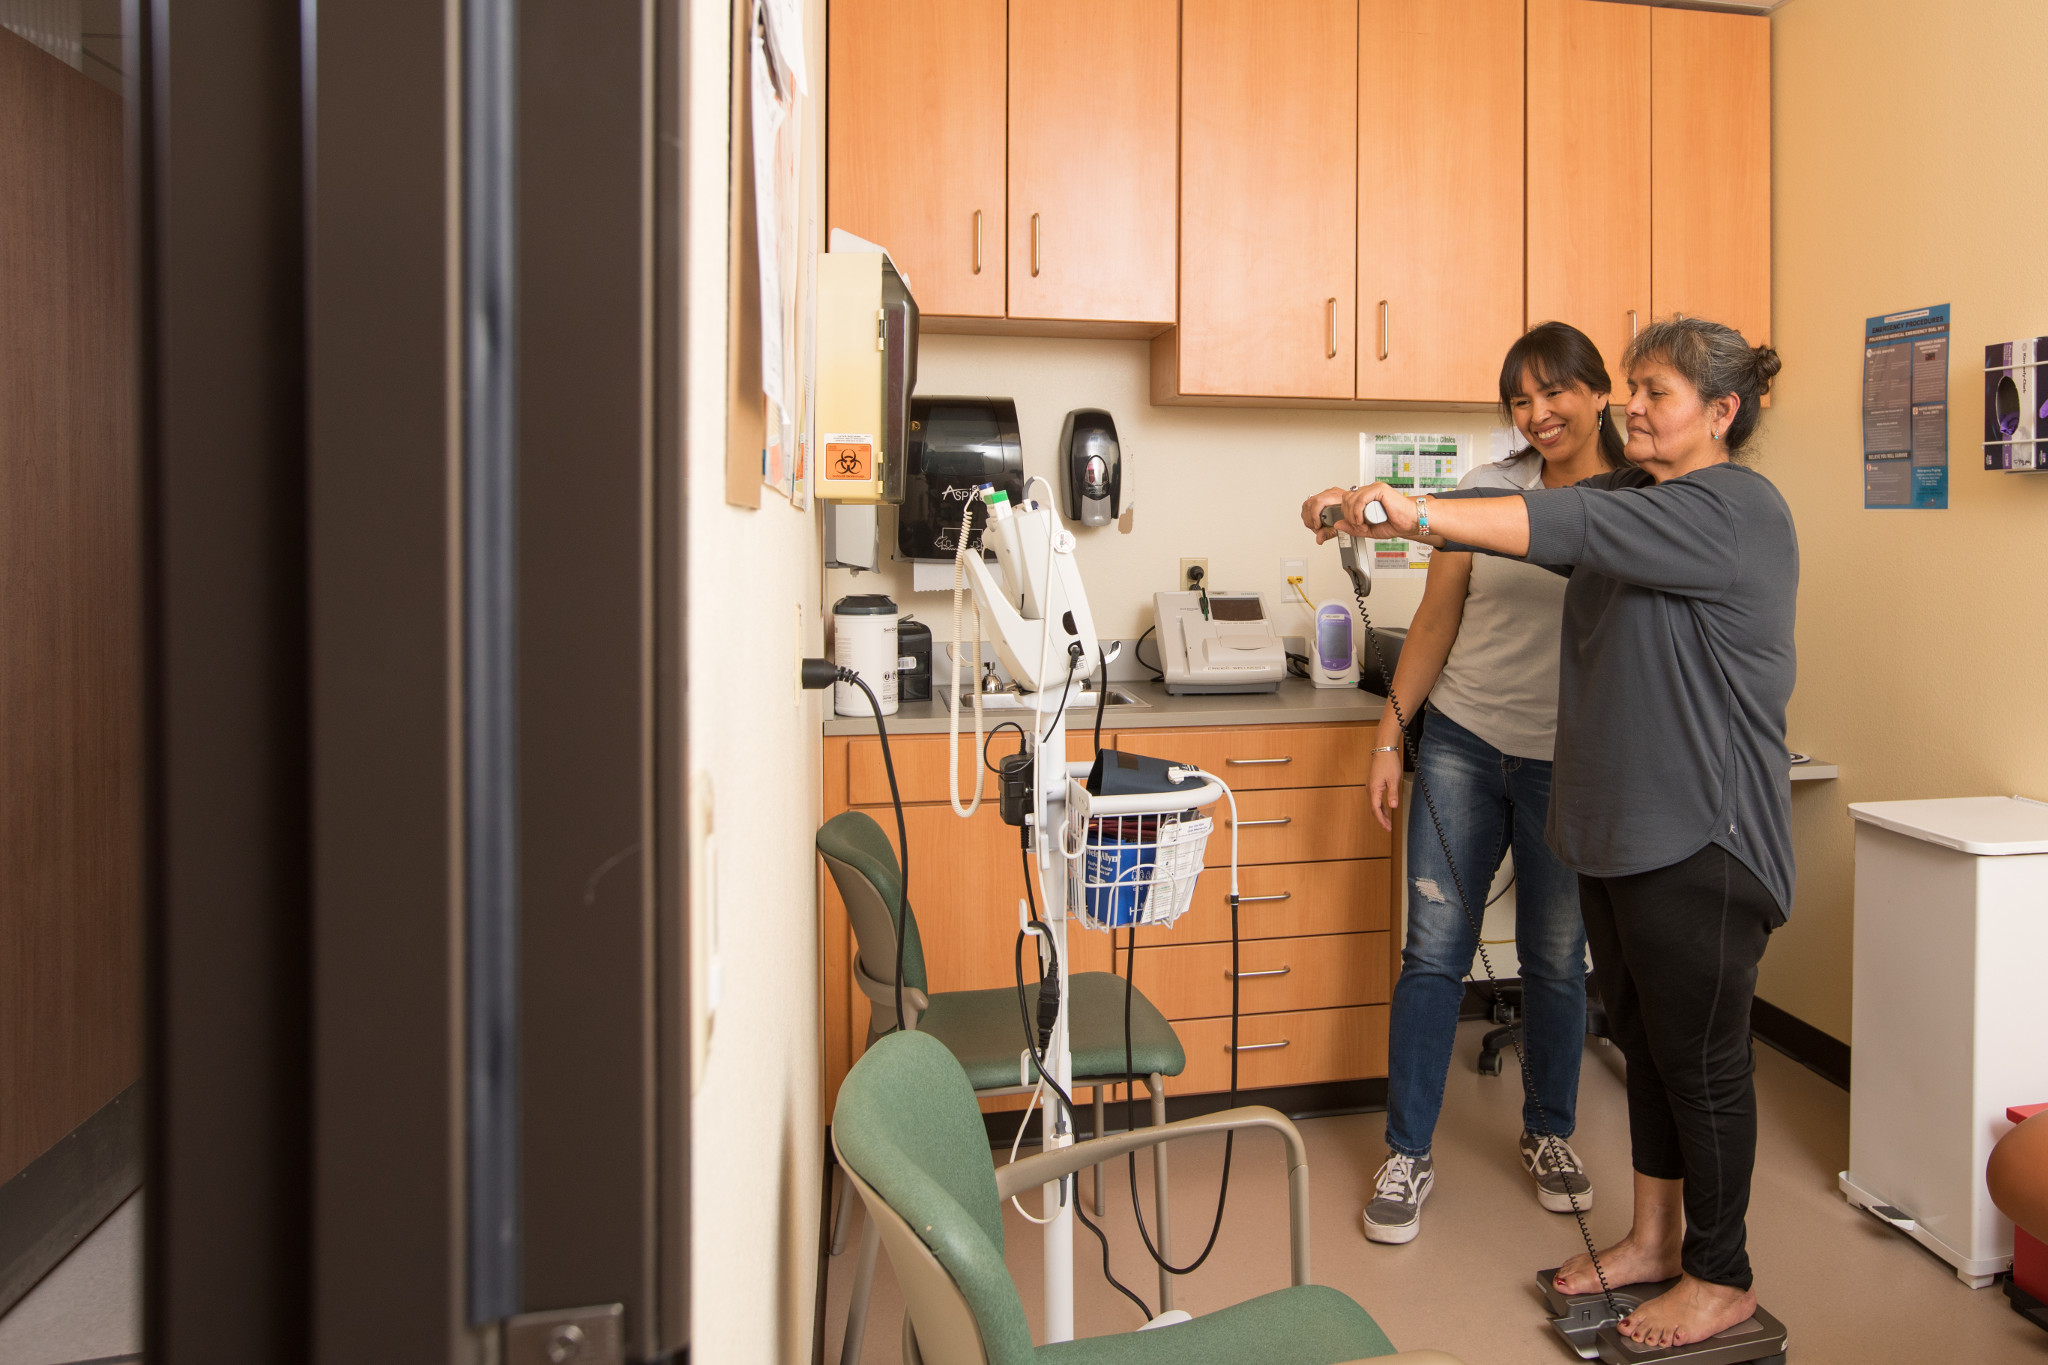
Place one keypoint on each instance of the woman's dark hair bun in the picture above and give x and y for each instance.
(1764, 366)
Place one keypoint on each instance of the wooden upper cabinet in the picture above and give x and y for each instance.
(1439, 197)
(915, 96)
(1589, 171)
(1268, 211)
(1094, 127)
(1710, 145)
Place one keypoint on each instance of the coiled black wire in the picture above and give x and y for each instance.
(1408, 741)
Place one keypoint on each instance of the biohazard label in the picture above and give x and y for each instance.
(849, 457)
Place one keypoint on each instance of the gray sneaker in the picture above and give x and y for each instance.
(1560, 1176)
(1395, 1213)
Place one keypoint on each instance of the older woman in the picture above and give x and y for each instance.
(1669, 796)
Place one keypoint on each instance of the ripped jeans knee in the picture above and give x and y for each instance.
(1440, 938)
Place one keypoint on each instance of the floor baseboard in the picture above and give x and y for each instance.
(1821, 1053)
(68, 1191)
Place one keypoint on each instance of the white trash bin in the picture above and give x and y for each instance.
(1951, 949)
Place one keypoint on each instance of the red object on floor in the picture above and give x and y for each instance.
(2029, 1255)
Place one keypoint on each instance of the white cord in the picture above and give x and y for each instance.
(1046, 618)
(1023, 1122)
(960, 554)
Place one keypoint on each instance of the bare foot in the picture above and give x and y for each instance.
(1691, 1310)
(1632, 1260)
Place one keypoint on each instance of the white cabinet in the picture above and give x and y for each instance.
(1951, 942)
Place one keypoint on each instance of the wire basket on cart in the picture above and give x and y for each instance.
(1133, 860)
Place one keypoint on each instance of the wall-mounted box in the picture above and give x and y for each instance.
(867, 367)
(2016, 405)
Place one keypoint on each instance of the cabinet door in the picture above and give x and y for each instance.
(914, 119)
(1093, 145)
(1439, 197)
(1710, 147)
(1589, 171)
(1268, 207)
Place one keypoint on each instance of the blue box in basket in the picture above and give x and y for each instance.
(1129, 867)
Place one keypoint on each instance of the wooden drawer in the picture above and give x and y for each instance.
(1300, 1048)
(1283, 900)
(1192, 980)
(921, 764)
(1262, 756)
(1298, 825)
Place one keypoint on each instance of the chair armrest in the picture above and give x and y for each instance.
(881, 993)
(1047, 1167)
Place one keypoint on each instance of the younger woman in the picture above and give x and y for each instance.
(1482, 654)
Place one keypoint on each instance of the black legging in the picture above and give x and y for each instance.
(1674, 957)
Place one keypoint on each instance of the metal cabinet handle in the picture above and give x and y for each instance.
(1247, 824)
(1246, 976)
(1255, 762)
(1283, 896)
(977, 242)
(1386, 329)
(1260, 1047)
(1034, 246)
(1330, 328)
(1631, 324)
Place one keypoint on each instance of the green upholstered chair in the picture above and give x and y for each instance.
(982, 1028)
(908, 1134)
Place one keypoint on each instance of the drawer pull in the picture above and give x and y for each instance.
(1277, 971)
(1283, 896)
(1260, 1047)
(1255, 762)
(1247, 824)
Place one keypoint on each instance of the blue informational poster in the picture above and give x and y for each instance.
(1905, 409)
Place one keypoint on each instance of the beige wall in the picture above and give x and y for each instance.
(756, 1142)
(1225, 484)
(1923, 636)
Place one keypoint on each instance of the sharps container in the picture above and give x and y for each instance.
(864, 640)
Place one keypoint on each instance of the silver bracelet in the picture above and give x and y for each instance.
(1387, 749)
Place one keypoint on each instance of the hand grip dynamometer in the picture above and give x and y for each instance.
(1347, 548)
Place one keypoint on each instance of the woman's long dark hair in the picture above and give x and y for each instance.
(1558, 353)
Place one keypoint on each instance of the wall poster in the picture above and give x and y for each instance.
(1905, 409)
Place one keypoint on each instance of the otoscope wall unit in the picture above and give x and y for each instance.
(2016, 406)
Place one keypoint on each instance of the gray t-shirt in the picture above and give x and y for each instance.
(1677, 665)
(1500, 680)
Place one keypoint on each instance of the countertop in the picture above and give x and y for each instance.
(1296, 703)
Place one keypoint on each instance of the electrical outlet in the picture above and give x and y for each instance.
(1193, 571)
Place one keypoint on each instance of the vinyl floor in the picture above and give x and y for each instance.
(89, 1307)
(1848, 1289)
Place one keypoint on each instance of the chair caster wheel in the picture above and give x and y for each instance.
(1489, 1064)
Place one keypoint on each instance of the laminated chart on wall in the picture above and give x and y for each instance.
(1413, 462)
(1905, 409)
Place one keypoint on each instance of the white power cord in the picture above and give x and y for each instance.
(1016, 1143)
(960, 553)
(1038, 697)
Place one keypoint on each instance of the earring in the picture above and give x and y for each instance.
(1717, 435)
(1601, 421)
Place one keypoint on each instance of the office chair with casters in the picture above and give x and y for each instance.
(910, 1138)
(982, 1029)
(1505, 1009)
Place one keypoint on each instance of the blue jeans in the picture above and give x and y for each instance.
(1490, 802)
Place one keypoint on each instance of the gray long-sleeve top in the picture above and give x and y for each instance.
(1677, 664)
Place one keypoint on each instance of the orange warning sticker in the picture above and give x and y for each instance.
(849, 458)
